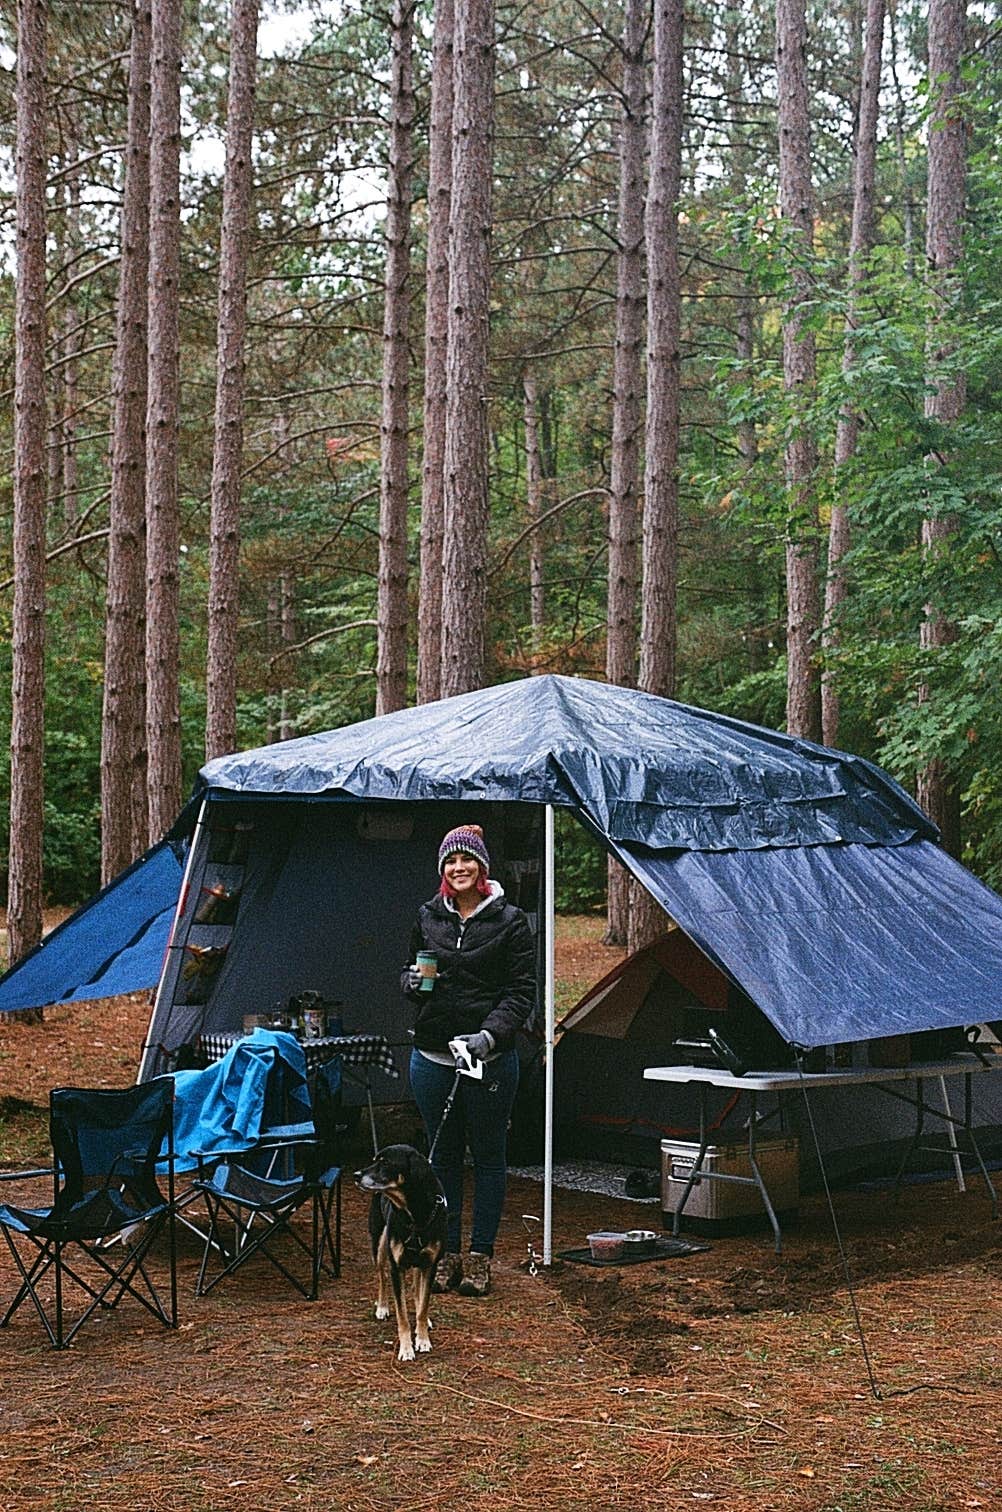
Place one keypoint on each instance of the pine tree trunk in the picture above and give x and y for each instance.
(627, 383)
(803, 612)
(272, 636)
(534, 502)
(466, 507)
(664, 315)
(27, 734)
(847, 431)
(228, 435)
(287, 634)
(429, 658)
(901, 148)
(740, 161)
(71, 344)
(163, 713)
(391, 631)
(664, 332)
(627, 374)
(936, 789)
(123, 722)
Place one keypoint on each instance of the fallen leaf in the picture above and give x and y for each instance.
(807, 1472)
(366, 1459)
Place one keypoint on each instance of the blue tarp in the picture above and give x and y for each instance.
(808, 874)
(115, 943)
(841, 942)
(644, 769)
(259, 1084)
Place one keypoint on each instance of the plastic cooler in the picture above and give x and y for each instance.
(730, 1206)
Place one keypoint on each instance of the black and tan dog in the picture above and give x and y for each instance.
(407, 1226)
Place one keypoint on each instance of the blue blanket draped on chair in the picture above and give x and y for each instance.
(258, 1087)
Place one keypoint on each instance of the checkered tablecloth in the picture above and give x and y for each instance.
(354, 1050)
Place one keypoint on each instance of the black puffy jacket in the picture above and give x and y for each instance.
(487, 973)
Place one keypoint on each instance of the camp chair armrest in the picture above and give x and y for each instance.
(297, 1137)
(283, 1141)
(27, 1175)
(286, 1134)
(226, 1153)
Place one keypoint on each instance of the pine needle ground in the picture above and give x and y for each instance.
(732, 1377)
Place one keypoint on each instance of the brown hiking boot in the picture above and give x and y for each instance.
(448, 1273)
(476, 1280)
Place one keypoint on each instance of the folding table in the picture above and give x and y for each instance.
(781, 1082)
(354, 1049)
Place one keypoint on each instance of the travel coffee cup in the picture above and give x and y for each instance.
(427, 965)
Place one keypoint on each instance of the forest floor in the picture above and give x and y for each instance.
(733, 1377)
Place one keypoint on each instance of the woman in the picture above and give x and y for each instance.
(485, 988)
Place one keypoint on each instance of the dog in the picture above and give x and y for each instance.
(407, 1225)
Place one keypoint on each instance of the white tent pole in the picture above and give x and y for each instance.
(550, 1030)
(951, 1135)
(182, 897)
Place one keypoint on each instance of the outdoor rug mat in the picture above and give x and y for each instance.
(664, 1249)
(591, 1176)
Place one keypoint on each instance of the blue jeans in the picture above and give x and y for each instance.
(478, 1118)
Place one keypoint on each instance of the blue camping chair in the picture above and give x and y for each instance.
(257, 1092)
(251, 1208)
(105, 1146)
(259, 1085)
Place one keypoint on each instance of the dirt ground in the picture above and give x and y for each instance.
(730, 1377)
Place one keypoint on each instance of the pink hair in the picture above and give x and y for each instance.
(446, 890)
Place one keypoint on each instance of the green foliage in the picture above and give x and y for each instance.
(579, 884)
(309, 548)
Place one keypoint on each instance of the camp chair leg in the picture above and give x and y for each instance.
(172, 1258)
(211, 1242)
(44, 1259)
(329, 1253)
(127, 1278)
(29, 1277)
(316, 1257)
(330, 1244)
(246, 1246)
(60, 1341)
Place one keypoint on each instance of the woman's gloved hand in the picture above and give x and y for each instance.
(413, 979)
(479, 1045)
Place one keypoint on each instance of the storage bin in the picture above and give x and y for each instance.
(718, 1206)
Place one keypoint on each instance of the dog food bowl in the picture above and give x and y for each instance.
(639, 1241)
(606, 1245)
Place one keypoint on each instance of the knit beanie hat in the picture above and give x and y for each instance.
(468, 838)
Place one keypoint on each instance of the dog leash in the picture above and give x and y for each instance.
(446, 1111)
